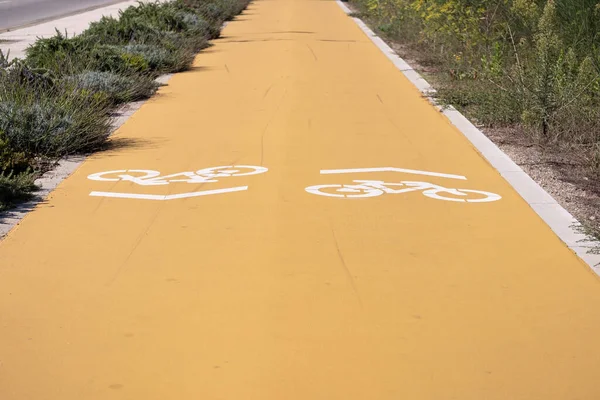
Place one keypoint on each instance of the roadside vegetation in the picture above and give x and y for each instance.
(530, 67)
(60, 99)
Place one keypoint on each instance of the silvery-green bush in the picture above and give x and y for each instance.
(54, 127)
(161, 59)
(118, 88)
(15, 188)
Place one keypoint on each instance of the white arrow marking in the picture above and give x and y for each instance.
(391, 169)
(167, 197)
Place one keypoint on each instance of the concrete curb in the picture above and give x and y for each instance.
(17, 40)
(59, 16)
(564, 225)
(64, 168)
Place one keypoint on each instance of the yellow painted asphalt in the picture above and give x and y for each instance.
(248, 286)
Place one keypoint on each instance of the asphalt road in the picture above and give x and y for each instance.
(15, 13)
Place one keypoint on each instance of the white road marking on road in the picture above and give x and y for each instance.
(559, 219)
(167, 197)
(391, 169)
(361, 189)
(151, 177)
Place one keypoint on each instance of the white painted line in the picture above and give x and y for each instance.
(206, 193)
(167, 197)
(129, 195)
(391, 169)
(51, 179)
(558, 219)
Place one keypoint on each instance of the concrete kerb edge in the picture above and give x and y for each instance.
(59, 16)
(564, 225)
(64, 168)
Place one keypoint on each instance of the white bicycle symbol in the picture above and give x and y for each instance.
(371, 188)
(146, 177)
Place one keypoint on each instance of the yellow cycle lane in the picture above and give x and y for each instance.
(241, 283)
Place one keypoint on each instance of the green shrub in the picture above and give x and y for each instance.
(59, 53)
(161, 16)
(158, 58)
(149, 23)
(535, 63)
(71, 59)
(54, 125)
(118, 88)
(150, 38)
(58, 101)
(12, 161)
(111, 58)
(15, 189)
(483, 101)
(161, 59)
(109, 30)
(201, 26)
(216, 11)
(168, 17)
(167, 52)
